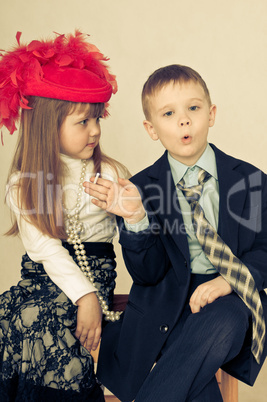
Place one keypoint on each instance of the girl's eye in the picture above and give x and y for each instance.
(83, 122)
(193, 108)
(168, 113)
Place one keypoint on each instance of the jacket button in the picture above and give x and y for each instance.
(185, 263)
(164, 328)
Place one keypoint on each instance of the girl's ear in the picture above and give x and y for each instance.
(213, 110)
(150, 129)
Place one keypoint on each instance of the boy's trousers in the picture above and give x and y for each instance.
(197, 347)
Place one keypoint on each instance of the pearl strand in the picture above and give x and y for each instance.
(74, 229)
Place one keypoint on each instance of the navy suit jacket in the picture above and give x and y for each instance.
(158, 261)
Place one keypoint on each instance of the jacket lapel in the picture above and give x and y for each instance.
(163, 198)
(233, 192)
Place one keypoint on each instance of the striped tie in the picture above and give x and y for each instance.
(226, 263)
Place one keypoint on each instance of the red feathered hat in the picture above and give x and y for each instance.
(67, 68)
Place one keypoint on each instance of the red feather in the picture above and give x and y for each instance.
(18, 35)
(24, 61)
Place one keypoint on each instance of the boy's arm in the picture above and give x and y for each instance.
(143, 251)
(255, 258)
(208, 292)
(122, 198)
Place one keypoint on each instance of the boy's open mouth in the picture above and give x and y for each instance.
(186, 139)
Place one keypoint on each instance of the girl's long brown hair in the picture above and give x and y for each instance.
(37, 159)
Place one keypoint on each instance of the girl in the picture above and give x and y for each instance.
(51, 320)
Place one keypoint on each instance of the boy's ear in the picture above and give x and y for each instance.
(150, 129)
(213, 110)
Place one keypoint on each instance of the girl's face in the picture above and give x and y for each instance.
(79, 134)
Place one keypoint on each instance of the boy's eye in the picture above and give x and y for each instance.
(194, 108)
(168, 113)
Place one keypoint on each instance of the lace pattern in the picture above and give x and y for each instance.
(38, 348)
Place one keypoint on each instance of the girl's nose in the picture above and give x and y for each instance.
(94, 129)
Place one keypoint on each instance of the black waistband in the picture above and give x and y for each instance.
(99, 249)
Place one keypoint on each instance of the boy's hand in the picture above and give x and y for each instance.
(89, 318)
(122, 198)
(208, 292)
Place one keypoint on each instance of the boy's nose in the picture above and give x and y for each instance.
(184, 122)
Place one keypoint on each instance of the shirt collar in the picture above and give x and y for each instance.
(207, 161)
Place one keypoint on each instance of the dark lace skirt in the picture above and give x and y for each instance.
(40, 358)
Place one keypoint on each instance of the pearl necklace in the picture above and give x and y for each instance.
(74, 229)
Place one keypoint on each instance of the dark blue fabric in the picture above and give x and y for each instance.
(195, 349)
(159, 262)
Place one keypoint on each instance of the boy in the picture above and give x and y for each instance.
(188, 310)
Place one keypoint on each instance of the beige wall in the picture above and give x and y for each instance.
(224, 40)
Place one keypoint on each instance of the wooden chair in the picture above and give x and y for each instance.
(228, 384)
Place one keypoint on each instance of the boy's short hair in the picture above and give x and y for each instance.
(163, 76)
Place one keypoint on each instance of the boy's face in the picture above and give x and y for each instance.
(180, 117)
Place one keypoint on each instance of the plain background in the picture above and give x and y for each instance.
(225, 41)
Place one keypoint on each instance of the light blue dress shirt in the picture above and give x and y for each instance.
(209, 201)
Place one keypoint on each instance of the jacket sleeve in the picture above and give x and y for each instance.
(144, 253)
(255, 256)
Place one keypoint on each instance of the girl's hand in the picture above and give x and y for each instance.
(89, 318)
(122, 198)
(208, 292)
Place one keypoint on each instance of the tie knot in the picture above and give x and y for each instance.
(193, 193)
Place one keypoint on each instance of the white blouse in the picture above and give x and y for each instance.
(99, 226)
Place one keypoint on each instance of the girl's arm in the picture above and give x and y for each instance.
(89, 319)
(57, 262)
(65, 273)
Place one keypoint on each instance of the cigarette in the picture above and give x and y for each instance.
(96, 178)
